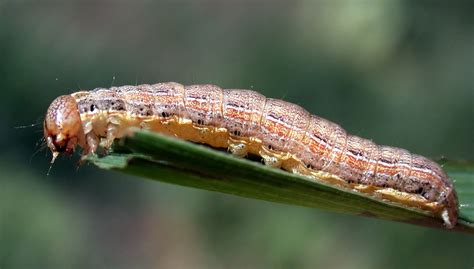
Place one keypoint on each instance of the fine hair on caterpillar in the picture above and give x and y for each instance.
(245, 122)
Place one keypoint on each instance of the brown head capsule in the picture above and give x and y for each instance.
(63, 127)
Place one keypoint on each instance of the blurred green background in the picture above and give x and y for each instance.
(396, 72)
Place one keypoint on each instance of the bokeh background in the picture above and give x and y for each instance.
(396, 72)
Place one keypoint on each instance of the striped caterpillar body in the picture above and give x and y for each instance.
(244, 121)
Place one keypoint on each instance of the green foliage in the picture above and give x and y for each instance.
(158, 157)
(462, 174)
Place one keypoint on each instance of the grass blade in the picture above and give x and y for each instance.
(167, 159)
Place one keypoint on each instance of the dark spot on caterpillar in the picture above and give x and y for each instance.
(92, 108)
(144, 110)
(419, 166)
(270, 147)
(355, 152)
(165, 114)
(200, 122)
(386, 161)
(236, 133)
(321, 139)
(274, 116)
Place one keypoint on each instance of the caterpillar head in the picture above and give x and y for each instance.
(62, 126)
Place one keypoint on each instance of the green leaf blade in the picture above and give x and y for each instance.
(151, 155)
(462, 174)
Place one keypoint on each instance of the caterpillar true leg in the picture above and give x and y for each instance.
(113, 126)
(92, 143)
(112, 131)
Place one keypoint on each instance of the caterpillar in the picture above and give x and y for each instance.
(245, 122)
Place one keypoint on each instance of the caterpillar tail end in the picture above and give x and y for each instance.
(448, 222)
(450, 212)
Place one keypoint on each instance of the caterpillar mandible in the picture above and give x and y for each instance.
(244, 121)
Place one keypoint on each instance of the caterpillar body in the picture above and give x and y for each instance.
(244, 121)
